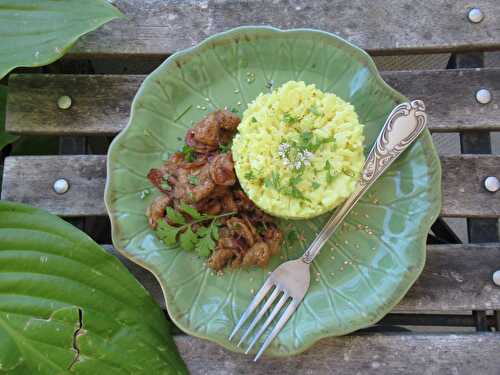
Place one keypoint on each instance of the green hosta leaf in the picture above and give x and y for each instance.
(36, 33)
(188, 239)
(68, 305)
(5, 138)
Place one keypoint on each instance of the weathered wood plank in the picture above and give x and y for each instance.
(450, 97)
(389, 354)
(29, 179)
(101, 103)
(456, 278)
(463, 186)
(391, 26)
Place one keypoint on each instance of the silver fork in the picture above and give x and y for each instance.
(290, 281)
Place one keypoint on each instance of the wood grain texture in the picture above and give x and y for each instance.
(388, 354)
(101, 103)
(463, 186)
(386, 26)
(456, 278)
(29, 179)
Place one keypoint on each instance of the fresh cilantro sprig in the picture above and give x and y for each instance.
(202, 241)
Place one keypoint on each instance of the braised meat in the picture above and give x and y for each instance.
(205, 179)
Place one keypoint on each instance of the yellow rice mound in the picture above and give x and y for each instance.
(299, 151)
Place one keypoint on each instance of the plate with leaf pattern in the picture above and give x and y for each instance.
(366, 267)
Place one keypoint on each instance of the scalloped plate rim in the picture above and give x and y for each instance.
(370, 64)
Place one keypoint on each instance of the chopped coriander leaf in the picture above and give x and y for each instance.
(165, 177)
(292, 235)
(293, 192)
(189, 153)
(234, 110)
(329, 176)
(193, 180)
(249, 175)
(348, 172)
(254, 119)
(315, 111)
(165, 186)
(289, 119)
(224, 148)
(306, 137)
(295, 180)
(315, 185)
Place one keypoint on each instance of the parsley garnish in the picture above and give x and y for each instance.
(202, 241)
(189, 153)
(193, 180)
(254, 119)
(315, 185)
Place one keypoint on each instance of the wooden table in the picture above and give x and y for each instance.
(455, 290)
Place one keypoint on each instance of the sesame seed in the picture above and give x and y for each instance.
(370, 232)
(346, 242)
(317, 273)
(373, 248)
(332, 273)
(317, 279)
(366, 215)
(204, 108)
(356, 246)
(207, 99)
(346, 262)
(341, 268)
(252, 291)
(239, 103)
(198, 106)
(236, 91)
(332, 257)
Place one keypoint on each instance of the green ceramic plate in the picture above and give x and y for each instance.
(363, 271)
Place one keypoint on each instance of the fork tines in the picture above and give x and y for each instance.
(274, 291)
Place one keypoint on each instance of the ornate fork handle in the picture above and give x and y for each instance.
(402, 127)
